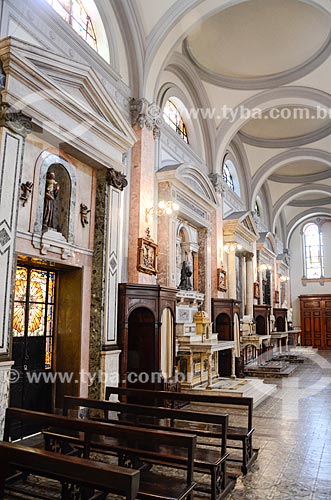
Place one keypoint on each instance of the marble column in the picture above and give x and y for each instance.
(242, 272)
(232, 274)
(249, 285)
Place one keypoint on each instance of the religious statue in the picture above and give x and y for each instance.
(185, 276)
(52, 189)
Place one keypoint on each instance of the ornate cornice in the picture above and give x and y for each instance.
(15, 120)
(146, 115)
(116, 179)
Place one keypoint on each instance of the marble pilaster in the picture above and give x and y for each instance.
(12, 140)
(106, 265)
(5, 367)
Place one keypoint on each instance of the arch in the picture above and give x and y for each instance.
(185, 72)
(176, 24)
(171, 91)
(281, 160)
(293, 193)
(284, 96)
(91, 27)
(223, 326)
(44, 162)
(142, 346)
(260, 325)
(310, 213)
(313, 250)
(173, 111)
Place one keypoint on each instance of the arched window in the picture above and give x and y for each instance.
(174, 119)
(257, 209)
(74, 13)
(227, 176)
(313, 251)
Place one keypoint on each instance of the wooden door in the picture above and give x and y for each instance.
(316, 321)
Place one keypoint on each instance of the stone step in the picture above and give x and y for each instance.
(240, 387)
(264, 372)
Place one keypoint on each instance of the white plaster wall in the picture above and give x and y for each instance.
(296, 269)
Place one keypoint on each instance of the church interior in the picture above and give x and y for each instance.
(165, 219)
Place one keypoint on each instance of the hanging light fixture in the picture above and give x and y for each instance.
(163, 208)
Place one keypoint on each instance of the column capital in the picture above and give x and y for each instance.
(146, 115)
(217, 182)
(15, 121)
(249, 255)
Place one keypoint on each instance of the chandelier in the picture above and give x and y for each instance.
(163, 208)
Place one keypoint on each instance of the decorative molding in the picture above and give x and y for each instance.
(15, 121)
(83, 214)
(261, 82)
(286, 142)
(26, 188)
(146, 115)
(116, 179)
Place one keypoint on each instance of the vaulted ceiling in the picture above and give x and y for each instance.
(271, 55)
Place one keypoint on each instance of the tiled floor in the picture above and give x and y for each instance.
(293, 432)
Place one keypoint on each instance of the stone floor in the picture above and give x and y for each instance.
(293, 432)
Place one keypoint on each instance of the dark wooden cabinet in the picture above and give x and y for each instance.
(280, 318)
(140, 316)
(315, 312)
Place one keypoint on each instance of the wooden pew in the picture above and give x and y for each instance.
(239, 434)
(208, 426)
(68, 470)
(132, 446)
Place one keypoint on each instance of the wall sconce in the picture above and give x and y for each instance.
(163, 208)
(284, 278)
(231, 247)
(264, 267)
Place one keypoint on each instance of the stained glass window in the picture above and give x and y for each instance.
(227, 176)
(313, 248)
(257, 209)
(74, 13)
(33, 314)
(174, 119)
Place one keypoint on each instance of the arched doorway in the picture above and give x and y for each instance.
(261, 327)
(280, 324)
(223, 329)
(142, 349)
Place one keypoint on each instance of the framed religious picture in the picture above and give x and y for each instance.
(147, 253)
(276, 297)
(256, 290)
(221, 279)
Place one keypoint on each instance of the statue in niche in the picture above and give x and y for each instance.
(185, 276)
(51, 191)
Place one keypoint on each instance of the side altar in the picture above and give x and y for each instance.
(197, 347)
